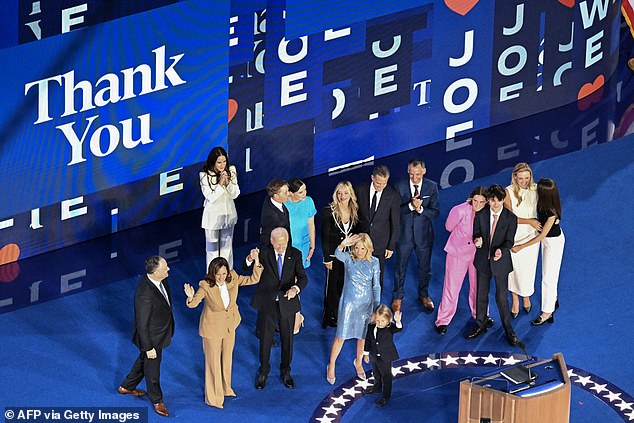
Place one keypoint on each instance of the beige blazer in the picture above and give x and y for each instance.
(215, 321)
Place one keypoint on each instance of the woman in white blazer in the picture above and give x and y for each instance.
(219, 185)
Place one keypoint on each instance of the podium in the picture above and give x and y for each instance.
(494, 399)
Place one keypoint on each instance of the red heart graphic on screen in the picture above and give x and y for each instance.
(233, 108)
(590, 93)
(461, 7)
(9, 272)
(568, 3)
(9, 253)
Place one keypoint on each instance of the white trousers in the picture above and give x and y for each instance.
(552, 252)
(219, 243)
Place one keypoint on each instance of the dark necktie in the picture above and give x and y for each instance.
(162, 289)
(279, 265)
(416, 191)
(373, 206)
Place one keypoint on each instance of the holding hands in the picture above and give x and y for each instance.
(254, 256)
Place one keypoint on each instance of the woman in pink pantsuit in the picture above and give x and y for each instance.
(460, 252)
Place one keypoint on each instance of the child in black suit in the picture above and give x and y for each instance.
(379, 344)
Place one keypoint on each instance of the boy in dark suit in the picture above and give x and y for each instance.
(379, 344)
(493, 235)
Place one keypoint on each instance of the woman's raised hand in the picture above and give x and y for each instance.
(189, 290)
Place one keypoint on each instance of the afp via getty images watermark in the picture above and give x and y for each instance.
(76, 414)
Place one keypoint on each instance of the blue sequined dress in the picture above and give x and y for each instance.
(361, 294)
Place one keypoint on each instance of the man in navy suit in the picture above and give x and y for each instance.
(493, 235)
(379, 216)
(274, 212)
(276, 298)
(419, 206)
(153, 331)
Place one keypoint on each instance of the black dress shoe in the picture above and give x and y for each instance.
(372, 390)
(260, 382)
(512, 339)
(288, 380)
(490, 322)
(539, 321)
(380, 402)
(476, 332)
(441, 329)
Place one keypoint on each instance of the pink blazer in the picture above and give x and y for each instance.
(460, 224)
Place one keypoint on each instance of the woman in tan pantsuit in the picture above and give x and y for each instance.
(218, 322)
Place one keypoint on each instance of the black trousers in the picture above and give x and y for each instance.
(332, 291)
(382, 371)
(501, 299)
(143, 367)
(267, 322)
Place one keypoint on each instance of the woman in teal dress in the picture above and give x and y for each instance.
(361, 294)
(301, 212)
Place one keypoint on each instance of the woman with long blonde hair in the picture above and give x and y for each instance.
(339, 219)
(521, 199)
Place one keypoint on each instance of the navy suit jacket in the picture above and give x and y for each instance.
(153, 317)
(417, 227)
(503, 238)
(385, 225)
(271, 286)
(272, 218)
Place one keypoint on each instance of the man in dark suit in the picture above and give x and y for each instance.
(274, 212)
(153, 330)
(379, 214)
(277, 300)
(419, 205)
(493, 235)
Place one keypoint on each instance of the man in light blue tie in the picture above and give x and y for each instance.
(276, 298)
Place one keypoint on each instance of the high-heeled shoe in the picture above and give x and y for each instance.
(539, 321)
(514, 314)
(528, 308)
(330, 380)
(360, 374)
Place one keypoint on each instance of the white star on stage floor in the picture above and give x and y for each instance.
(630, 415)
(490, 359)
(325, 419)
(613, 396)
(450, 360)
(583, 380)
(509, 361)
(599, 388)
(397, 371)
(430, 362)
(470, 359)
(352, 392)
(339, 400)
(624, 405)
(331, 410)
(364, 384)
(412, 366)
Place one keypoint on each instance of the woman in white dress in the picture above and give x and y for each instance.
(219, 185)
(521, 199)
